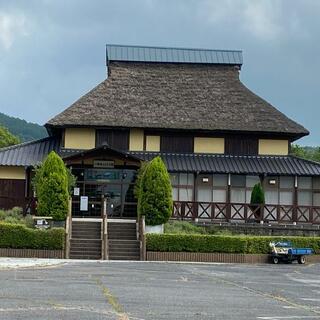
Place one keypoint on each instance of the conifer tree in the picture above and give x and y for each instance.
(257, 195)
(155, 193)
(51, 183)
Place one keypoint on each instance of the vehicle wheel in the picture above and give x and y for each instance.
(275, 260)
(302, 260)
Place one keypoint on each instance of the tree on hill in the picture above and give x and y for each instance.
(7, 138)
(309, 153)
(26, 131)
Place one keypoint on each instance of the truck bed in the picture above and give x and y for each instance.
(300, 251)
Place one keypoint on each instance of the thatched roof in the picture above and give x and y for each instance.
(176, 96)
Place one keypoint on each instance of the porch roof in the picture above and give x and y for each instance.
(256, 165)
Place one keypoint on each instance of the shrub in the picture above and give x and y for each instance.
(19, 236)
(183, 227)
(155, 193)
(15, 216)
(51, 182)
(219, 243)
(137, 186)
(195, 243)
(257, 195)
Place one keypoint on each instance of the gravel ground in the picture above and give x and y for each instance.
(141, 290)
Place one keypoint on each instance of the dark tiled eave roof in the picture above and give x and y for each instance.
(256, 165)
(31, 153)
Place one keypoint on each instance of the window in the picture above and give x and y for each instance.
(241, 146)
(279, 190)
(316, 191)
(182, 186)
(241, 188)
(117, 139)
(305, 191)
(176, 144)
(238, 181)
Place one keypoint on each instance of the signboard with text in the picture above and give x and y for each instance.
(103, 163)
(84, 203)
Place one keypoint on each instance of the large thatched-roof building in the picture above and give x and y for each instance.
(189, 106)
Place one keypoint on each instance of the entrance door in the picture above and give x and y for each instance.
(116, 185)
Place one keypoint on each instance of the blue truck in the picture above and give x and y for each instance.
(283, 251)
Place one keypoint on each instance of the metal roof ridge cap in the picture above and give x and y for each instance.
(175, 48)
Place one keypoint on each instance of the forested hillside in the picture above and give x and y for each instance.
(26, 131)
(310, 153)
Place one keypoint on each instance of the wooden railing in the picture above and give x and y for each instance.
(142, 237)
(105, 245)
(68, 231)
(189, 210)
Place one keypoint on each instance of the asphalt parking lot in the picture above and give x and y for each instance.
(122, 290)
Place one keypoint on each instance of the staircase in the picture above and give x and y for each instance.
(122, 240)
(85, 242)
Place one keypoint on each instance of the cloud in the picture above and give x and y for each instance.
(63, 55)
(262, 19)
(11, 27)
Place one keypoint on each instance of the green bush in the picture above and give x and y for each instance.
(155, 193)
(187, 227)
(19, 236)
(222, 243)
(183, 227)
(137, 186)
(15, 216)
(257, 195)
(195, 243)
(51, 182)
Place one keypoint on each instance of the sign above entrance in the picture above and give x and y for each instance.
(103, 163)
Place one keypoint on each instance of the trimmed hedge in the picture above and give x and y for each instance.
(18, 236)
(219, 243)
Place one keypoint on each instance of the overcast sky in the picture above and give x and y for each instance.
(53, 51)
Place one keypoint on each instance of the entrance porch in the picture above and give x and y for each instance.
(105, 177)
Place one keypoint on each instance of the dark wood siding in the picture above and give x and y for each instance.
(12, 193)
(117, 139)
(172, 143)
(241, 146)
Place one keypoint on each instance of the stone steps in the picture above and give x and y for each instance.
(123, 243)
(86, 240)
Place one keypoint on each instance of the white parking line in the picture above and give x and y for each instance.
(310, 299)
(288, 317)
